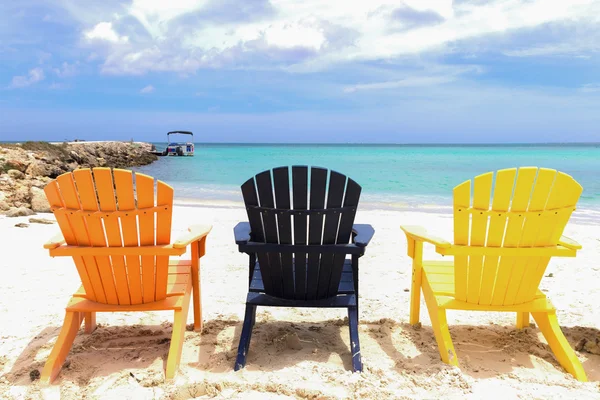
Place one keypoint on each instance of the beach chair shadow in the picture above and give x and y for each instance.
(282, 344)
(586, 340)
(385, 331)
(208, 353)
(298, 247)
(116, 348)
(486, 351)
(119, 237)
(501, 251)
(493, 350)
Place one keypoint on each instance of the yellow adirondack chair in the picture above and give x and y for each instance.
(500, 255)
(121, 255)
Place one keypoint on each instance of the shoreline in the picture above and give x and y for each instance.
(583, 215)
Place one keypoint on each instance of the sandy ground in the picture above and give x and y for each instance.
(124, 357)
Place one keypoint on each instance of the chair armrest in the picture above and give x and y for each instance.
(158, 250)
(196, 232)
(363, 233)
(420, 234)
(569, 243)
(242, 233)
(259, 247)
(56, 241)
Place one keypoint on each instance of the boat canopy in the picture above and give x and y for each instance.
(181, 132)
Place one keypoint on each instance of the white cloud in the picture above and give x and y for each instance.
(155, 15)
(104, 31)
(35, 75)
(147, 89)
(306, 35)
(295, 35)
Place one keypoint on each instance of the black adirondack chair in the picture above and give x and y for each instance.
(298, 249)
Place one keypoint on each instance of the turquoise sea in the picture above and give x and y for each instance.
(392, 176)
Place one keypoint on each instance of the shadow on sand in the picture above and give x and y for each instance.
(488, 351)
(484, 351)
(106, 350)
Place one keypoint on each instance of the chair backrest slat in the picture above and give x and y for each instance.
(271, 214)
(482, 188)
(281, 182)
(106, 196)
(351, 199)
(164, 197)
(300, 199)
(462, 201)
(258, 235)
(92, 210)
(144, 186)
(318, 187)
(529, 211)
(126, 202)
(335, 194)
(264, 187)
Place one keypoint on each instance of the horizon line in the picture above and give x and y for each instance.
(329, 143)
(401, 144)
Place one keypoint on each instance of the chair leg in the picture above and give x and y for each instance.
(90, 322)
(417, 278)
(177, 339)
(354, 339)
(548, 324)
(62, 347)
(415, 300)
(441, 331)
(245, 337)
(196, 288)
(522, 320)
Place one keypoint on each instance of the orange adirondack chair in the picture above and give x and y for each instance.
(121, 255)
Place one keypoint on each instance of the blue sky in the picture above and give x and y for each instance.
(413, 71)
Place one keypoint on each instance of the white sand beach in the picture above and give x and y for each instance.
(294, 353)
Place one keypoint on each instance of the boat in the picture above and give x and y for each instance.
(180, 148)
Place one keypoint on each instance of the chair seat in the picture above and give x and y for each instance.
(439, 275)
(346, 285)
(179, 284)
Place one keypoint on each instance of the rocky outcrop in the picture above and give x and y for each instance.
(19, 212)
(39, 203)
(26, 168)
(16, 174)
(40, 168)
